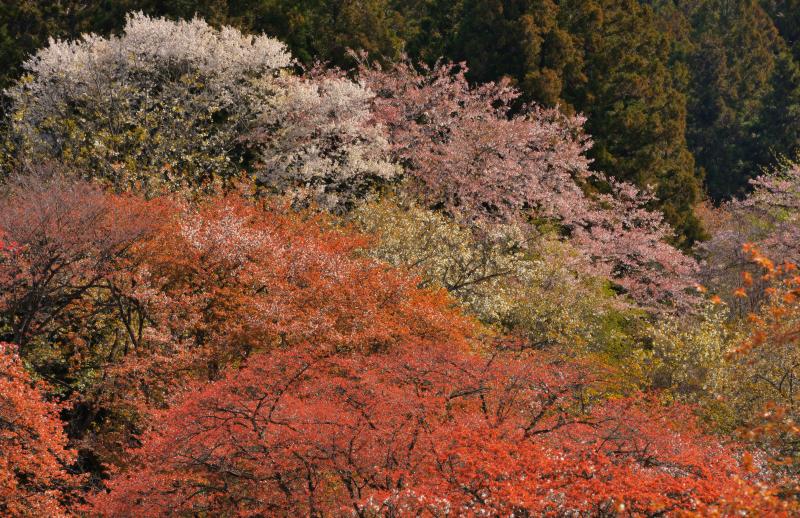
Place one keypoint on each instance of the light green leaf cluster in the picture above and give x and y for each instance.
(690, 353)
(700, 359)
(526, 282)
(765, 372)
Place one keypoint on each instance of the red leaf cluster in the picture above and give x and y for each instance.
(435, 431)
(34, 479)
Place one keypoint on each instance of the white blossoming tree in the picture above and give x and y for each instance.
(171, 105)
(164, 102)
(318, 141)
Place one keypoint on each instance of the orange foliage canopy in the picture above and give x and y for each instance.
(261, 365)
(229, 279)
(414, 431)
(770, 354)
(69, 241)
(33, 477)
(327, 384)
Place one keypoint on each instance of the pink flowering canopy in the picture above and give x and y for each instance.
(469, 153)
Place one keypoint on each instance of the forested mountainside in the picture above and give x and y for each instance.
(428, 259)
(693, 98)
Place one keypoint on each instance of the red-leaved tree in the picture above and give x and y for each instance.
(221, 282)
(433, 431)
(237, 358)
(70, 239)
(34, 459)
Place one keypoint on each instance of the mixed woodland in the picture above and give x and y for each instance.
(400, 258)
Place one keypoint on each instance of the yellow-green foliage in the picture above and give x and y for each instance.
(765, 371)
(700, 359)
(526, 282)
(689, 352)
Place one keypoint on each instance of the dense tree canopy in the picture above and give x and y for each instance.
(659, 82)
(233, 282)
(161, 100)
(606, 60)
(308, 433)
(466, 155)
(197, 104)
